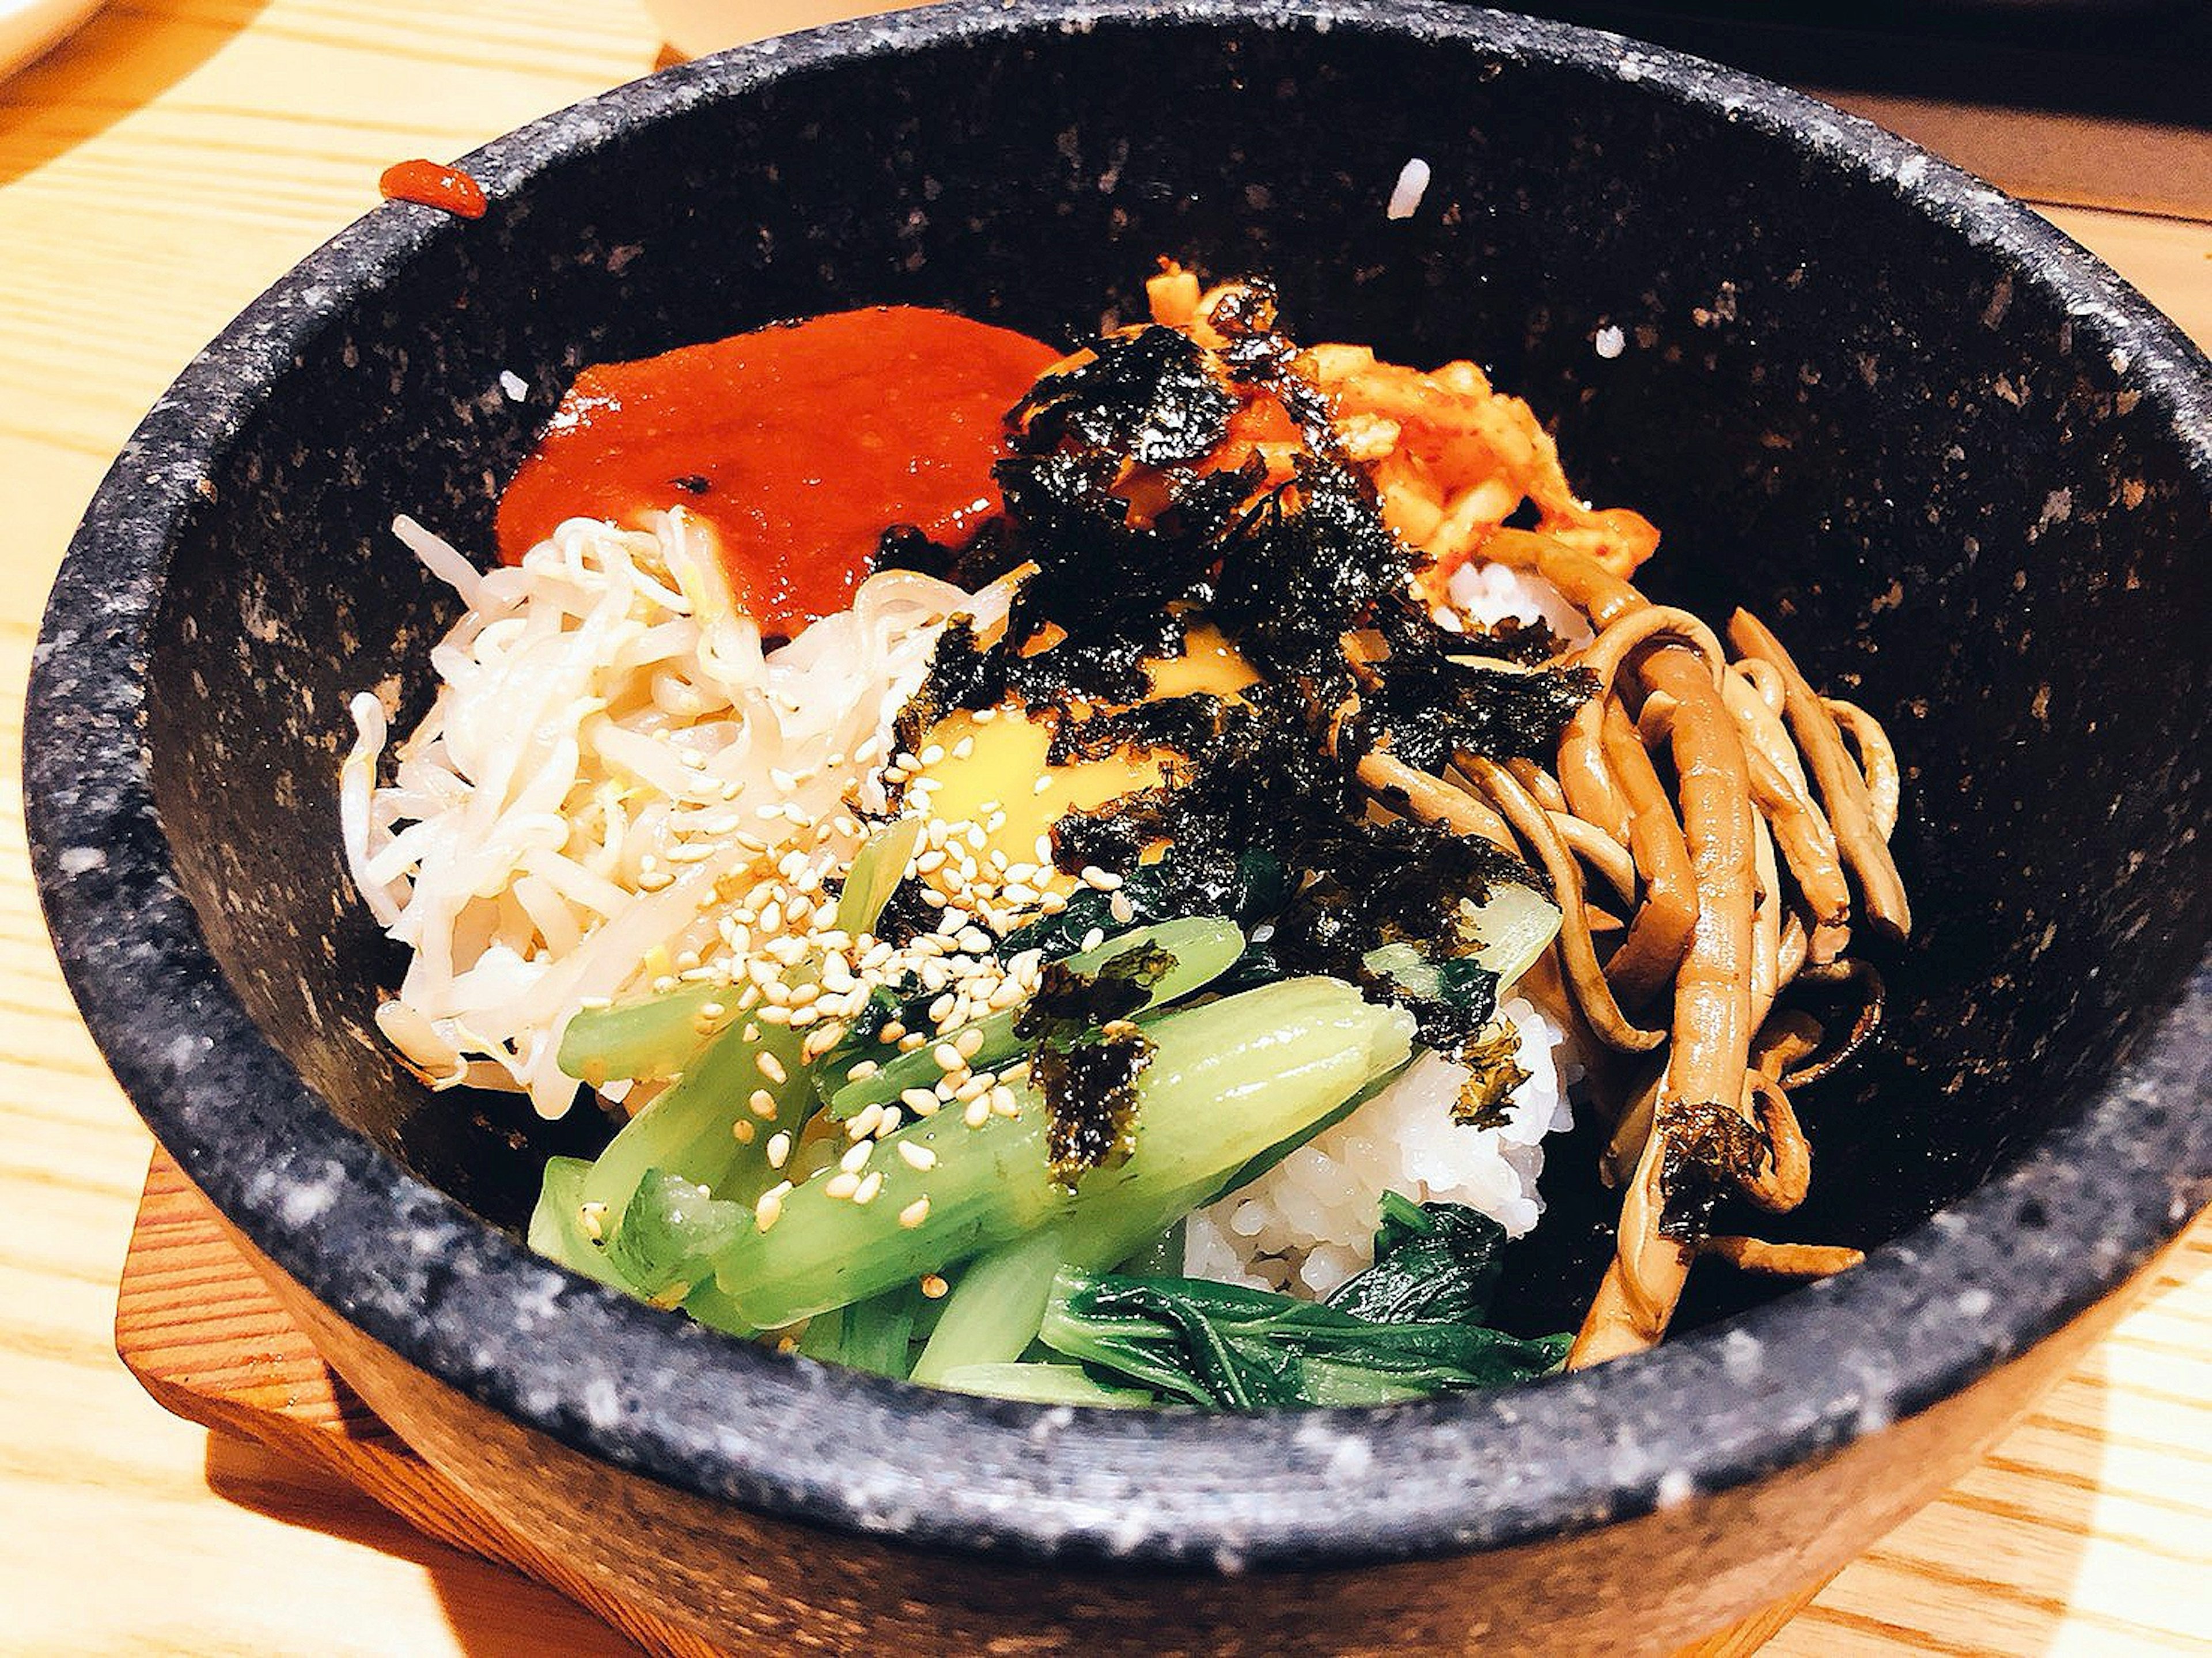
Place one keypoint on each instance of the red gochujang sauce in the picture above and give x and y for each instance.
(432, 185)
(799, 443)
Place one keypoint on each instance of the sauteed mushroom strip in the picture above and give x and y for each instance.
(1577, 954)
(1661, 932)
(1877, 760)
(1843, 788)
(1864, 1023)
(1611, 860)
(1433, 800)
(1585, 779)
(1710, 1058)
(1712, 999)
(1780, 1186)
(1540, 783)
(1806, 1261)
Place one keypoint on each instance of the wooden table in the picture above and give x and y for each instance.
(155, 174)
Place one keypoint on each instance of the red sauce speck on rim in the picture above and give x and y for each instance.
(799, 443)
(431, 184)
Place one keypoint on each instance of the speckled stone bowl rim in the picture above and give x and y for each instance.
(1927, 1315)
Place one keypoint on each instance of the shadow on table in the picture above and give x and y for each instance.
(126, 55)
(494, 1613)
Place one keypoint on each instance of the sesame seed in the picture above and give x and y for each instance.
(860, 1071)
(914, 1213)
(856, 1157)
(743, 1132)
(589, 1216)
(1041, 786)
(948, 1058)
(968, 1044)
(916, 1156)
(933, 1288)
(963, 747)
(771, 1067)
(761, 1104)
(977, 1113)
(769, 1209)
(842, 1185)
(779, 1150)
(933, 754)
(1121, 909)
(864, 1123)
(865, 1191)
(920, 1100)
(1092, 940)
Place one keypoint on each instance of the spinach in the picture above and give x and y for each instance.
(1437, 1261)
(1407, 1327)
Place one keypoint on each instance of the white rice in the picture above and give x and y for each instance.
(1490, 594)
(573, 813)
(1308, 1224)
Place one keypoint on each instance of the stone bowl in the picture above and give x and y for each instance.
(1966, 469)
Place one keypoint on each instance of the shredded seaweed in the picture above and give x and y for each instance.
(1090, 1100)
(1068, 1004)
(1708, 1147)
(1148, 394)
(1437, 706)
(1493, 1063)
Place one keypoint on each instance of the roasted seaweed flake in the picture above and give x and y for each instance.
(1090, 1099)
(1069, 1002)
(1494, 1067)
(1148, 394)
(1708, 1146)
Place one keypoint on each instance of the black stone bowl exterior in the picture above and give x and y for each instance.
(1965, 469)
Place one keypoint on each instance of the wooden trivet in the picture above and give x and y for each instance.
(208, 1341)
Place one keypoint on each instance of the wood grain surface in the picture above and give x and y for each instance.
(156, 173)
